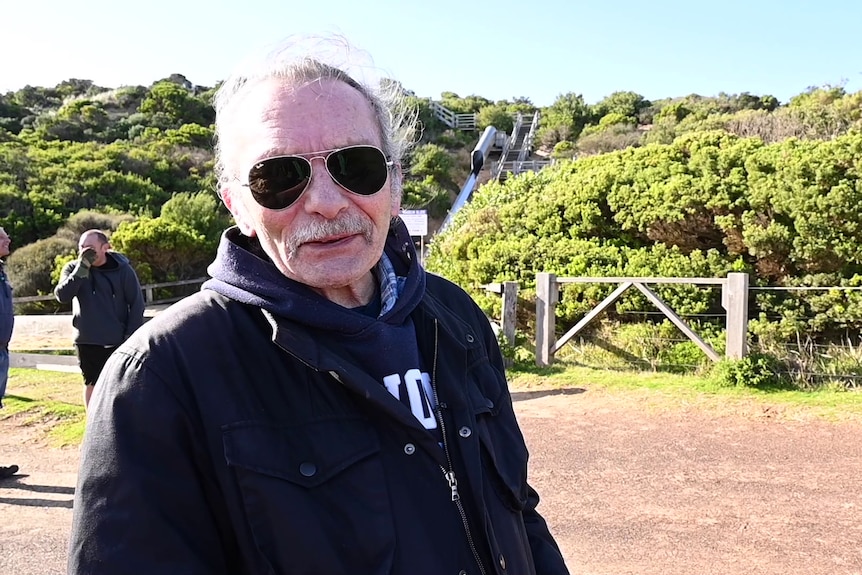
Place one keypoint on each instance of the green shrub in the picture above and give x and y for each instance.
(85, 220)
(756, 370)
(30, 270)
(684, 357)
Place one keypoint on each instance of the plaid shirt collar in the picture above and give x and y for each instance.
(390, 284)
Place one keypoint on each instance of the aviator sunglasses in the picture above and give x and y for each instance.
(276, 183)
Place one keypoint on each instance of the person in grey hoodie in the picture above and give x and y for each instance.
(107, 304)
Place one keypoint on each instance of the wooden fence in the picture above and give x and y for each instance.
(148, 290)
(734, 299)
(51, 361)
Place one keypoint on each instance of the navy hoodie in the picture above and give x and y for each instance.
(385, 346)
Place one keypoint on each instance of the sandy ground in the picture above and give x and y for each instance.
(629, 486)
(39, 332)
(48, 332)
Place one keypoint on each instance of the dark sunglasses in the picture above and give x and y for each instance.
(276, 183)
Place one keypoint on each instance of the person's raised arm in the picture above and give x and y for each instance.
(73, 275)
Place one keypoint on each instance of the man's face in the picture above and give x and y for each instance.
(304, 240)
(95, 243)
(4, 243)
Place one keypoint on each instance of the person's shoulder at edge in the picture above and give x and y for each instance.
(191, 315)
(194, 307)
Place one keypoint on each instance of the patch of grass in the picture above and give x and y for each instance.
(676, 390)
(49, 401)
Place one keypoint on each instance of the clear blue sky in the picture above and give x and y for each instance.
(498, 50)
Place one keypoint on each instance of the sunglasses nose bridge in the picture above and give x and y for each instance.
(310, 160)
(323, 195)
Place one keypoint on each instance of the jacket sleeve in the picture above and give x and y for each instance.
(69, 284)
(143, 502)
(132, 288)
(546, 553)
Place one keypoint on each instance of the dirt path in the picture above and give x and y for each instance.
(37, 332)
(629, 486)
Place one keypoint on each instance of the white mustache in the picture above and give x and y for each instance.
(317, 231)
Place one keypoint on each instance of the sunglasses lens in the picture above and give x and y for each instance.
(360, 169)
(278, 182)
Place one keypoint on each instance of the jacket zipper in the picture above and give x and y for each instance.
(449, 474)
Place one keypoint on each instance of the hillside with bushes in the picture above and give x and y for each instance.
(138, 162)
(697, 188)
(685, 186)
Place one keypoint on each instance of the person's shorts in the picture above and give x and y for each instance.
(91, 359)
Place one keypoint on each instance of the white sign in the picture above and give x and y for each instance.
(416, 221)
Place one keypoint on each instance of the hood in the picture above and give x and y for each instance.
(121, 260)
(244, 273)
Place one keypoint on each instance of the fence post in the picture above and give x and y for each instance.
(510, 314)
(735, 300)
(510, 310)
(546, 300)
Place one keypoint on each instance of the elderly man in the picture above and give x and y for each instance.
(323, 405)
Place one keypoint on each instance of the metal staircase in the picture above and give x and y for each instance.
(515, 151)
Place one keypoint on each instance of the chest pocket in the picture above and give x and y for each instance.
(314, 495)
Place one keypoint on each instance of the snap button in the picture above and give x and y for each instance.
(502, 563)
(307, 469)
(409, 449)
(465, 432)
(462, 572)
(469, 338)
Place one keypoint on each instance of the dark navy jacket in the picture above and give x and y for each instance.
(226, 440)
(7, 312)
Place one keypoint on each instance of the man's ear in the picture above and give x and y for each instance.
(237, 209)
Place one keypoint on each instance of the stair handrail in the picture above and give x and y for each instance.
(443, 114)
(497, 167)
(513, 139)
(453, 120)
(527, 146)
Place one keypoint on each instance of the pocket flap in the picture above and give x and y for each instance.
(308, 455)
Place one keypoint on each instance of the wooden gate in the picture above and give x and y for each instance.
(734, 299)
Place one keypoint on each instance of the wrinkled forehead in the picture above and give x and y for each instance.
(273, 115)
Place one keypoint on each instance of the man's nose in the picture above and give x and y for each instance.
(324, 195)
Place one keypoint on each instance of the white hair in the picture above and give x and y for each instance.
(299, 60)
